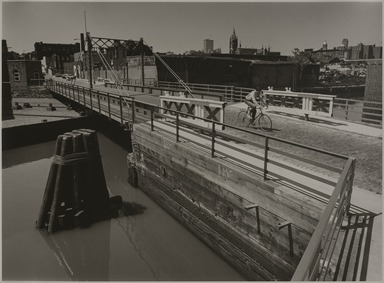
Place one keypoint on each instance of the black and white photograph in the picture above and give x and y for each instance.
(191, 141)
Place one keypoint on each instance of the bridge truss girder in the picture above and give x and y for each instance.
(131, 47)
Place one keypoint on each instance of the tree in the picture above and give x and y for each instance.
(301, 60)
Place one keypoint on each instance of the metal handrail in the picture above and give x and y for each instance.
(231, 126)
(309, 263)
(162, 89)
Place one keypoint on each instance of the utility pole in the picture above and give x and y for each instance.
(89, 41)
(142, 59)
(82, 55)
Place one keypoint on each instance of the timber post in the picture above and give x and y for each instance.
(76, 192)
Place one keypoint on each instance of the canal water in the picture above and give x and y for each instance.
(143, 244)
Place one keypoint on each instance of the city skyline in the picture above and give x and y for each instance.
(183, 26)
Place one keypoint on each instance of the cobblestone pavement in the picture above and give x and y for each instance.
(367, 150)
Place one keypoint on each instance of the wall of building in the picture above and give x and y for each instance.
(377, 52)
(374, 81)
(235, 72)
(30, 74)
(276, 75)
(6, 97)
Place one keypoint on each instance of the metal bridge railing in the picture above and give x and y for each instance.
(369, 112)
(161, 90)
(320, 248)
(316, 259)
(358, 110)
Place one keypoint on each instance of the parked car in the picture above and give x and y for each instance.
(70, 77)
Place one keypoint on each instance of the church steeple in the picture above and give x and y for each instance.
(233, 42)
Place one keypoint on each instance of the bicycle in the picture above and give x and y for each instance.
(263, 120)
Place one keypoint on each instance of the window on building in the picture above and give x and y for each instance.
(36, 75)
(16, 75)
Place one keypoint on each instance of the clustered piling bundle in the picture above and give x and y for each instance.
(76, 191)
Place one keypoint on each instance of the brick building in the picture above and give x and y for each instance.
(55, 55)
(6, 97)
(23, 75)
(208, 46)
(237, 70)
(358, 52)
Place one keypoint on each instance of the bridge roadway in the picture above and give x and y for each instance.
(249, 158)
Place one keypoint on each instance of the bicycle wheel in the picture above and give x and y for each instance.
(243, 118)
(265, 123)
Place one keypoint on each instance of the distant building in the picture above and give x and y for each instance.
(216, 51)
(208, 45)
(326, 55)
(24, 74)
(55, 55)
(233, 41)
(6, 97)
(344, 51)
(325, 46)
(238, 70)
(345, 43)
(248, 51)
(124, 58)
(356, 52)
(377, 52)
(256, 51)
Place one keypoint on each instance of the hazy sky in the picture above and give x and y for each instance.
(181, 26)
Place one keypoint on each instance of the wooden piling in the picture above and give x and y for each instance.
(66, 148)
(48, 194)
(78, 146)
(76, 191)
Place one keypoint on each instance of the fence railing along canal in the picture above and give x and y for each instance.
(316, 258)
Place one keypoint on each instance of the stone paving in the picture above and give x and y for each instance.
(359, 141)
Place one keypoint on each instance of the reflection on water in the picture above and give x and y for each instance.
(75, 252)
(143, 243)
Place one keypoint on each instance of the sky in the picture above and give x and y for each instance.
(183, 26)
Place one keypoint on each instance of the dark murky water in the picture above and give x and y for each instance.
(148, 244)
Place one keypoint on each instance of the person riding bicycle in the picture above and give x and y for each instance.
(251, 101)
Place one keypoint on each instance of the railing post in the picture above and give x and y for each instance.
(73, 92)
(109, 105)
(133, 110)
(98, 101)
(265, 158)
(85, 103)
(177, 126)
(152, 119)
(346, 110)
(350, 185)
(213, 140)
(121, 110)
(78, 93)
(90, 97)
